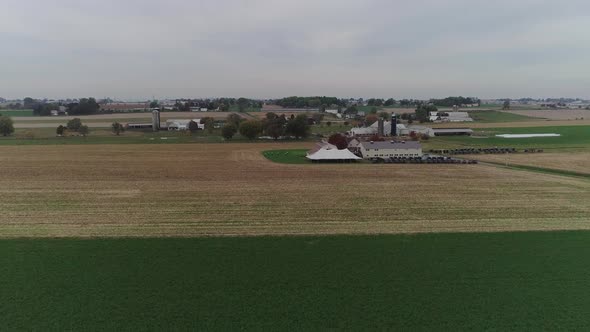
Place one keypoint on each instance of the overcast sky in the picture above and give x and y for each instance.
(272, 48)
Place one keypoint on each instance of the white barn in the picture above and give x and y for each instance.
(182, 124)
(451, 117)
(388, 149)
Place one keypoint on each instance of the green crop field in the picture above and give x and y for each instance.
(497, 116)
(491, 105)
(287, 156)
(235, 108)
(499, 281)
(8, 112)
(574, 137)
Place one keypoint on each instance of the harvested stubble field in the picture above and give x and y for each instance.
(515, 124)
(231, 189)
(575, 162)
(105, 120)
(563, 114)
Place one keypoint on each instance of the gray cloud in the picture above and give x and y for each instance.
(269, 48)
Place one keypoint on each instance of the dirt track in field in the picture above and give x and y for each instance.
(515, 124)
(576, 162)
(230, 190)
(564, 114)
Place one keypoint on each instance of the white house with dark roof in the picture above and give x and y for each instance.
(387, 149)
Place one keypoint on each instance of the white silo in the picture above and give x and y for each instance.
(156, 120)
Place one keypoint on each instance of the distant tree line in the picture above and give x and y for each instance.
(455, 101)
(221, 104)
(310, 102)
(410, 102)
(85, 106)
(381, 102)
(272, 125)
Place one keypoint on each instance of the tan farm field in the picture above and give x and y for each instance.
(559, 114)
(515, 124)
(231, 190)
(105, 120)
(576, 162)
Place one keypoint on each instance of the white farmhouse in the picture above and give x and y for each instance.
(182, 124)
(388, 149)
(335, 113)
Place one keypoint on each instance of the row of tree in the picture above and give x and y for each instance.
(74, 125)
(455, 101)
(84, 106)
(381, 102)
(322, 103)
(6, 125)
(222, 104)
(310, 102)
(272, 125)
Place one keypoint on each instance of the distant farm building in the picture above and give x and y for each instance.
(450, 117)
(60, 111)
(422, 130)
(390, 149)
(402, 130)
(124, 107)
(452, 132)
(138, 126)
(354, 146)
(154, 125)
(374, 129)
(334, 112)
(183, 124)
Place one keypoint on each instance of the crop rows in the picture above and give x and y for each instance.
(230, 189)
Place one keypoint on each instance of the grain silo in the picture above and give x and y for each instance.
(156, 120)
(381, 127)
(393, 125)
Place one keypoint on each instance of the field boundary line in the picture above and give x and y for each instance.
(536, 169)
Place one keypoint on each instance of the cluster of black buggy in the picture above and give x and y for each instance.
(484, 151)
(422, 160)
